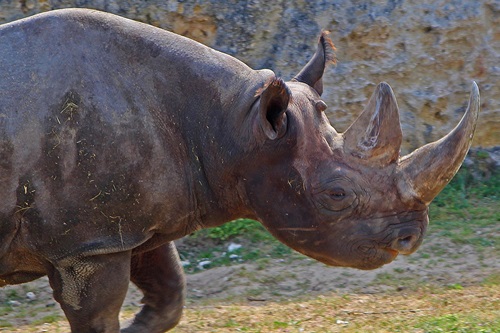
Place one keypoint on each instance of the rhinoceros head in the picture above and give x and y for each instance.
(346, 199)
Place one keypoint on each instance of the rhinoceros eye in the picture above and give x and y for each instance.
(334, 196)
(337, 193)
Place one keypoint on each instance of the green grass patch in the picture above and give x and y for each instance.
(212, 244)
(239, 227)
(467, 211)
(459, 323)
(48, 319)
(456, 286)
(492, 280)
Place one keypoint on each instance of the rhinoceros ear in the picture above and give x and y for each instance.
(376, 135)
(273, 102)
(312, 72)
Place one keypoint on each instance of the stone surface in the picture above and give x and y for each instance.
(429, 51)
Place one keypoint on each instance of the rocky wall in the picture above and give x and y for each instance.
(429, 51)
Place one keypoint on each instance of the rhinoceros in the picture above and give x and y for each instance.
(117, 138)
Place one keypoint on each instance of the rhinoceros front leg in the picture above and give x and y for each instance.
(91, 290)
(159, 275)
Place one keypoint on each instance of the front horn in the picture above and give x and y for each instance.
(428, 169)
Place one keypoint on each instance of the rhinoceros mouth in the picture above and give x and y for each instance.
(372, 254)
(392, 252)
(378, 257)
(405, 243)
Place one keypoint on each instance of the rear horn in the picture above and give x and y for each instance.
(375, 137)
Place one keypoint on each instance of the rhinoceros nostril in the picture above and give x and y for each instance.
(406, 240)
(405, 245)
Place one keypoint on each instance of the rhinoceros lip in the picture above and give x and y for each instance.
(392, 252)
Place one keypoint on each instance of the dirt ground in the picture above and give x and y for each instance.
(303, 276)
(437, 263)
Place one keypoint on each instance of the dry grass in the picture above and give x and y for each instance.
(473, 309)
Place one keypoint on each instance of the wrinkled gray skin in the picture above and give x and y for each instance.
(117, 138)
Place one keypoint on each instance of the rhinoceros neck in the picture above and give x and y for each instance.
(205, 98)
